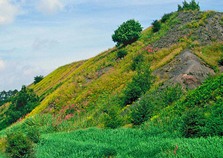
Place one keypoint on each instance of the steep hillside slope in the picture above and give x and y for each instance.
(84, 91)
(90, 85)
(197, 114)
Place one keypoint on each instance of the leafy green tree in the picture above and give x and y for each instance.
(166, 17)
(21, 104)
(127, 33)
(156, 26)
(189, 6)
(37, 79)
(6, 96)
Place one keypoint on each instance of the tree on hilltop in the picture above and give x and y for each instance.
(127, 33)
(189, 6)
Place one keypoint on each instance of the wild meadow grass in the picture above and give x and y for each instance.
(123, 143)
(211, 54)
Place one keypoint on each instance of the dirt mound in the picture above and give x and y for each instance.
(186, 69)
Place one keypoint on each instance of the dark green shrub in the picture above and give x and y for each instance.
(166, 17)
(136, 61)
(220, 61)
(37, 79)
(127, 33)
(19, 146)
(121, 54)
(196, 122)
(141, 112)
(140, 83)
(112, 118)
(154, 102)
(189, 6)
(132, 93)
(33, 134)
(156, 26)
(171, 94)
(214, 124)
(193, 121)
(108, 152)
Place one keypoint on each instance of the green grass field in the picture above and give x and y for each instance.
(123, 143)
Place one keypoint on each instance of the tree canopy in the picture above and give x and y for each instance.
(127, 33)
(189, 6)
(37, 79)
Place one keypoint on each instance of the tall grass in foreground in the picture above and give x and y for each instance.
(125, 143)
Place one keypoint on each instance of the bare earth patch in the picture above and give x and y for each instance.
(186, 69)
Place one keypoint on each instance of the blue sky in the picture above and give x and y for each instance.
(38, 36)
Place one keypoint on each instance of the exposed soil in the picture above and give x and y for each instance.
(207, 31)
(186, 69)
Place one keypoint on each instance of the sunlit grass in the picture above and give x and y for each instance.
(210, 53)
(125, 143)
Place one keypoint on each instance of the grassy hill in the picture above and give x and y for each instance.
(86, 87)
(179, 103)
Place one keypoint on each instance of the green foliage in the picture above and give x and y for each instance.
(152, 103)
(122, 142)
(140, 83)
(138, 60)
(127, 33)
(170, 94)
(166, 17)
(33, 134)
(37, 79)
(112, 118)
(221, 21)
(156, 26)
(203, 122)
(121, 54)
(19, 146)
(109, 152)
(199, 113)
(141, 112)
(22, 103)
(193, 121)
(189, 6)
(220, 61)
(6, 96)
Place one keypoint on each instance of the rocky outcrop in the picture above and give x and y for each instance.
(186, 69)
(203, 27)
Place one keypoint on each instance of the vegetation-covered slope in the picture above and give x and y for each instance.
(116, 89)
(86, 88)
(197, 114)
(91, 83)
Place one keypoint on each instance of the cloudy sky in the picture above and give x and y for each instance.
(38, 36)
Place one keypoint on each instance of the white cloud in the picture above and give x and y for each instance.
(2, 65)
(16, 74)
(8, 11)
(49, 6)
